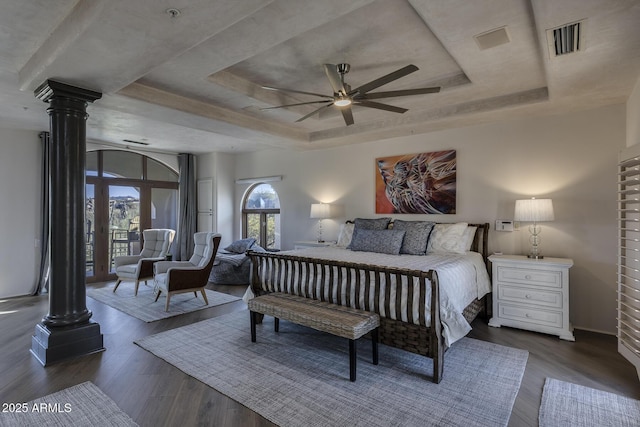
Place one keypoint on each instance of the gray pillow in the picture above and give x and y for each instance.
(372, 224)
(241, 246)
(416, 236)
(381, 241)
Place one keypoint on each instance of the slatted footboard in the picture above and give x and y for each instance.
(359, 286)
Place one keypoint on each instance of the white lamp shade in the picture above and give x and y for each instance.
(534, 210)
(320, 210)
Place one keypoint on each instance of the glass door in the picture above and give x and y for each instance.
(124, 222)
(126, 193)
(89, 230)
(164, 211)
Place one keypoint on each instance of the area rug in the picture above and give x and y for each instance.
(81, 405)
(566, 404)
(300, 377)
(145, 308)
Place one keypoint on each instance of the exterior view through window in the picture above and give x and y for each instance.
(125, 193)
(261, 216)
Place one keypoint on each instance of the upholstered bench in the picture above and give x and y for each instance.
(341, 321)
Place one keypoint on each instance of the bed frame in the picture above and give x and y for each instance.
(274, 272)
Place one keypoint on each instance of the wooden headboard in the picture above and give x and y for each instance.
(481, 241)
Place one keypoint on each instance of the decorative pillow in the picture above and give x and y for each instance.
(240, 246)
(381, 241)
(447, 238)
(416, 236)
(372, 223)
(345, 235)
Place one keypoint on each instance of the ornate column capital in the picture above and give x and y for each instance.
(53, 88)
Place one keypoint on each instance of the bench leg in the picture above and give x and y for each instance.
(253, 316)
(374, 345)
(276, 324)
(352, 360)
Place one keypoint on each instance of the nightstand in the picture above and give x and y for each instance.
(311, 244)
(532, 294)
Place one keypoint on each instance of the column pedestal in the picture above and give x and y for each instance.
(50, 345)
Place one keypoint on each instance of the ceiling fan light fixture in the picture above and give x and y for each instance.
(342, 102)
(343, 96)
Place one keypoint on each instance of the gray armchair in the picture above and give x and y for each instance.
(175, 277)
(156, 245)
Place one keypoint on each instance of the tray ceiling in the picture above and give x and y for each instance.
(192, 81)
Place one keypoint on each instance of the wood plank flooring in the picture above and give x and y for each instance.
(155, 393)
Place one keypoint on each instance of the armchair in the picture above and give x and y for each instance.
(175, 277)
(140, 267)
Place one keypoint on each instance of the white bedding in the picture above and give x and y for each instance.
(462, 277)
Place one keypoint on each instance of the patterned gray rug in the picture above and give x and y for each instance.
(566, 404)
(83, 405)
(144, 307)
(300, 377)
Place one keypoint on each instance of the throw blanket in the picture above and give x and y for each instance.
(229, 257)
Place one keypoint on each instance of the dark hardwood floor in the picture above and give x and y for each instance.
(155, 393)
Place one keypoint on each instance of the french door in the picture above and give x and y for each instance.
(118, 209)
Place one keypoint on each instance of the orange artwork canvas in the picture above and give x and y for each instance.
(423, 183)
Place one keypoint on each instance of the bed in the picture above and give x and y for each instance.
(426, 300)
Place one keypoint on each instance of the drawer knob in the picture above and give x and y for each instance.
(527, 315)
(527, 296)
(528, 277)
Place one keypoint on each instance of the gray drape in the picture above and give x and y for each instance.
(188, 214)
(42, 281)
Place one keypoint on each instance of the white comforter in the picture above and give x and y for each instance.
(462, 278)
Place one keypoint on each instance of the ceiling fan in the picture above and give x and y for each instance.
(344, 97)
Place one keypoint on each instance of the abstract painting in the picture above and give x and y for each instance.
(423, 183)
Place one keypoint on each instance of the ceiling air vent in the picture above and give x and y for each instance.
(566, 39)
(492, 38)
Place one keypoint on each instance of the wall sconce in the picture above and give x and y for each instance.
(534, 210)
(320, 211)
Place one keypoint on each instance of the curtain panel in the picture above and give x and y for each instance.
(187, 205)
(42, 281)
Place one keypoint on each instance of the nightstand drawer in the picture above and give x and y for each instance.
(530, 296)
(530, 315)
(530, 277)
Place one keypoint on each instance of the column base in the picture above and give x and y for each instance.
(51, 345)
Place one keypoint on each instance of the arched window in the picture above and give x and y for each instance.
(126, 193)
(261, 215)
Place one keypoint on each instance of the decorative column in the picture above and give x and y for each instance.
(66, 331)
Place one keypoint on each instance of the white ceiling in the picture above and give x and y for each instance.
(194, 82)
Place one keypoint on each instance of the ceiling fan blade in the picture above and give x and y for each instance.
(379, 106)
(334, 78)
(296, 91)
(314, 112)
(385, 79)
(293, 105)
(347, 114)
(394, 93)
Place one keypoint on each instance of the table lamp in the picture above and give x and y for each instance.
(535, 211)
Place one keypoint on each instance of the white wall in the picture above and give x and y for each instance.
(20, 166)
(633, 116)
(570, 158)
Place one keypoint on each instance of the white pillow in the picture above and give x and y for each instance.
(448, 238)
(345, 235)
(467, 238)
